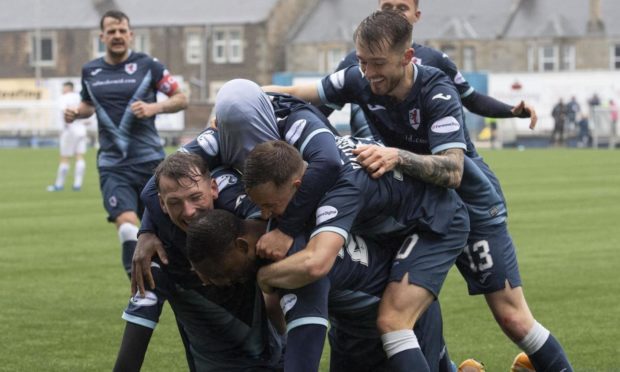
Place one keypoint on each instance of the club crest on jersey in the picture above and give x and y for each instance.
(414, 118)
(130, 68)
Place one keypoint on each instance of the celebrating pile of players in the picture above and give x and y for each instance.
(270, 232)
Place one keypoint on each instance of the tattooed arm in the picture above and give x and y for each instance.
(444, 168)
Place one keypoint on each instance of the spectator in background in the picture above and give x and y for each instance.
(594, 101)
(73, 141)
(559, 114)
(585, 137)
(613, 115)
(573, 112)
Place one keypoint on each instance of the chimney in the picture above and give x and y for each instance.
(103, 6)
(595, 23)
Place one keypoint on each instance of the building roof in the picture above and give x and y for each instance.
(52, 14)
(335, 20)
(561, 18)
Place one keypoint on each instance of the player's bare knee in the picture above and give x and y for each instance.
(515, 324)
(127, 217)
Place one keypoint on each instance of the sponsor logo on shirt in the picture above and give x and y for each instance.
(208, 142)
(372, 107)
(149, 299)
(445, 125)
(130, 68)
(95, 72)
(337, 79)
(484, 277)
(293, 134)
(287, 302)
(239, 200)
(325, 213)
(414, 118)
(459, 78)
(441, 96)
(114, 81)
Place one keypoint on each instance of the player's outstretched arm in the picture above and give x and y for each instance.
(303, 267)
(487, 106)
(443, 169)
(306, 92)
(525, 110)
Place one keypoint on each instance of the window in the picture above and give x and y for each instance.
(615, 57)
(214, 87)
(228, 45)
(98, 46)
(330, 59)
(469, 59)
(548, 58)
(141, 41)
(193, 48)
(556, 57)
(43, 49)
(568, 57)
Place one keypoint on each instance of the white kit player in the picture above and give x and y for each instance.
(73, 141)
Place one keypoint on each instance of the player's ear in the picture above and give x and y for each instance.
(214, 189)
(242, 244)
(408, 56)
(297, 183)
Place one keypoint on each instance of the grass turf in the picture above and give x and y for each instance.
(63, 289)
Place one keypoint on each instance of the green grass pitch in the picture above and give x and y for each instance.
(62, 289)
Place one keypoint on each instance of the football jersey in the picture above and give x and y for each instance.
(231, 197)
(480, 188)
(394, 204)
(227, 326)
(302, 126)
(111, 89)
(429, 120)
(354, 284)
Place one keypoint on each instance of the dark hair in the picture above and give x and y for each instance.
(384, 28)
(116, 14)
(209, 235)
(182, 165)
(68, 84)
(271, 161)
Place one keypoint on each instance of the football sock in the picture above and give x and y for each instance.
(544, 351)
(80, 168)
(445, 363)
(304, 346)
(128, 234)
(403, 351)
(61, 174)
